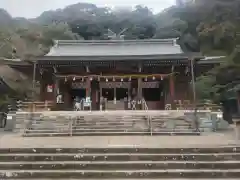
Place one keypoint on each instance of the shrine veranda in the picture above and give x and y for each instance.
(117, 72)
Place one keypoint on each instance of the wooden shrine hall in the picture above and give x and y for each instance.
(117, 74)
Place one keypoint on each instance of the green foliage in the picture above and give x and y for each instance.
(34, 40)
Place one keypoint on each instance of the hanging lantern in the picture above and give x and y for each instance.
(74, 78)
(65, 79)
(121, 79)
(106, 79)
(161, 78)
(145, 79)
(153, 78)
(129, 79)
(91, 78)
(82, 79)
(113, 78)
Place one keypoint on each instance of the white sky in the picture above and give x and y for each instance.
(33, 8)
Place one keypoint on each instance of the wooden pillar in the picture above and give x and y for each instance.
(139, 92)
(172, 85)
(42, 90)
(56, 87)
(88, 87)
(139, 88)
(66, 94)
(115, 95)
(238, 101)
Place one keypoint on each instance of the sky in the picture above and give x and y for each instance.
(33, 8)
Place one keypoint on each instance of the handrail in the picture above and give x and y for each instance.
(70, 126)
(145, 107)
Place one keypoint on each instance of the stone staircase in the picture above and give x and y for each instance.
(120, 163)
(108, 123)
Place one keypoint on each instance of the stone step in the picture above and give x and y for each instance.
(110, 174)
(50, 131)
(215, 151)
(94, 126)
(33, 131)
(114, 133)
(113, 119)
(120, 157)
(104, 117)
(110, 119)
(90, 124)
(131, 165)
(104, 129)
(138, 179)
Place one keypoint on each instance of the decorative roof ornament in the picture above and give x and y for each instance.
(114, 36)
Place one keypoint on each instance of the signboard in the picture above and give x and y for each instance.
(50, 88)
(87, 102)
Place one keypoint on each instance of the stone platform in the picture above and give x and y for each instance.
(205, 140)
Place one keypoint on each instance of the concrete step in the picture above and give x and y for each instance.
(119, 157)
(113, 133)
(110, 174)
(131, 165)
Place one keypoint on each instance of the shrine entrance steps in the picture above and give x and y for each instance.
(107, 123)
(120, 163)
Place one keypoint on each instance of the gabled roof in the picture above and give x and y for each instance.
(107, 48)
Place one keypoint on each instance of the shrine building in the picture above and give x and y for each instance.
(120, 72)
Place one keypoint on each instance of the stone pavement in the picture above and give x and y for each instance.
(205, 140)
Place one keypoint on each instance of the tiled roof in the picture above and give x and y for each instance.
(115, 48)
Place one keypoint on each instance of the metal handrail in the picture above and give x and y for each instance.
(71, 121)
(145, 107)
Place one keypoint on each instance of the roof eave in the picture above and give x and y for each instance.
(196, 56)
